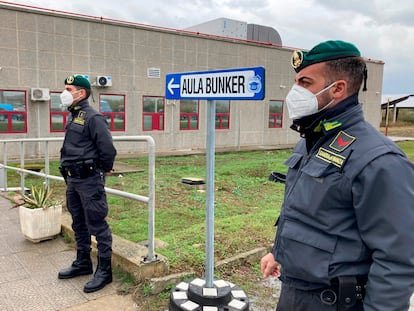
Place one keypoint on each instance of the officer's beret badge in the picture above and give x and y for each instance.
(297, 59)
(70, 79)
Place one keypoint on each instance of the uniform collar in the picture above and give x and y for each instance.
(351, 115)
(328, 122)
(82, 104)
(325, 120)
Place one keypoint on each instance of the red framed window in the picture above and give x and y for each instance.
(153, 113)
(275, 113)
(112, 106)
(189, 114)
(13, 111)
(222, 114)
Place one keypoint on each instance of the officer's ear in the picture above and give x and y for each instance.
(340, 90)
(82, 93)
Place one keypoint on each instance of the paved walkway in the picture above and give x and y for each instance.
(397, 138)
(28, 274)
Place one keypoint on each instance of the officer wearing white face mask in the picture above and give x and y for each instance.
(87, 155)
(343, 239)
(301, 102)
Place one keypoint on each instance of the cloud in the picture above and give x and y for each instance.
(381, 29)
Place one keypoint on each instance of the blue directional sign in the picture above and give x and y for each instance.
(239, 83)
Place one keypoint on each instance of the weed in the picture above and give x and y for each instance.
(147, 290)
(127, 280)
(66, 237)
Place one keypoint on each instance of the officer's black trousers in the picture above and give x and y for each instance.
(293, 299)
(86, 201)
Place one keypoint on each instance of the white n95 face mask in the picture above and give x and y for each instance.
(66, 98)
(301, 102)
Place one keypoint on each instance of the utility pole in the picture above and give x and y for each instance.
(386, 116)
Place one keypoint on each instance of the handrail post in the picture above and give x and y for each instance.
(47, 167)
(151, 201)
(5, 163)
(22, 166)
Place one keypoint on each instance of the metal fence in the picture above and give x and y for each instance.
(150, 199)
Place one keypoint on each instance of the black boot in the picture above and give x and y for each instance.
(81, 266)
(102, 276)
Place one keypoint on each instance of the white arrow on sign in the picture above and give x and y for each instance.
(172, 86)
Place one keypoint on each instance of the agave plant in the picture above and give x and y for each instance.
(39, 198)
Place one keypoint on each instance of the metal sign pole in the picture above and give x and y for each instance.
(210, 151)
(239, 84)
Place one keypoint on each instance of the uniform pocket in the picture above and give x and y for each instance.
(319, 169)
(293, 160)
(94, 201)
(75, 135)
(305, 253)
(76, 127)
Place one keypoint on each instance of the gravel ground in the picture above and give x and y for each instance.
(268, 297)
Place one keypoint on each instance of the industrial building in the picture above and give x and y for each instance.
(127, 64)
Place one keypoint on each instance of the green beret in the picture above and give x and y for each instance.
(78, 80)
(324, 51)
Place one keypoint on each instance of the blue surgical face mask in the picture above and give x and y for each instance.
(301, 102)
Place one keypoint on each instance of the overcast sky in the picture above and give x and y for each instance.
(381, 29)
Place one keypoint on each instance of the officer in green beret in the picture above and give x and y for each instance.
(87, 155)
(343, 239)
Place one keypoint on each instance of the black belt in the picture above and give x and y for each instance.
(345, 291)
(80, 169)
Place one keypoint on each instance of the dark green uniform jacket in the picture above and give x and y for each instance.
(349, 210)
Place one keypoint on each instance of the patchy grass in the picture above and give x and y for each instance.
(246, 207)
(246, 204)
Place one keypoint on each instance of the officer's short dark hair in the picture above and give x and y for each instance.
(87, 91)
(351, 69)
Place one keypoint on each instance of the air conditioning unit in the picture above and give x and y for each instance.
(40, 94)
(104, 81)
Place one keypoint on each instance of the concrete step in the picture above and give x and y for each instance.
(127, 256)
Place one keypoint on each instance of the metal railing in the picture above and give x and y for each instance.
(150, 199)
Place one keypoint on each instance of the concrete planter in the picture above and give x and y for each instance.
(40, 224)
